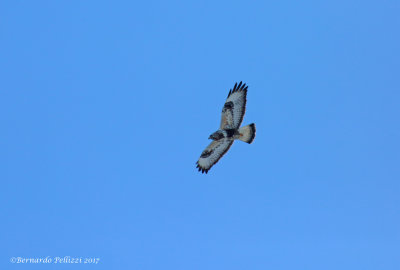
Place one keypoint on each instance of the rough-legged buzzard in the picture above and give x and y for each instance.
(229, 130)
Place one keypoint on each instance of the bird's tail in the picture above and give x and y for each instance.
(247, 133)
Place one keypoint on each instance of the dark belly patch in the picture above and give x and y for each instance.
(230, 132)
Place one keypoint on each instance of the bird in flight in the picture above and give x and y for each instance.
(229, 130)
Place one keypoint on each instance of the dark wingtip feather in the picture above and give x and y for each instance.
(202, 170)
(238, 87)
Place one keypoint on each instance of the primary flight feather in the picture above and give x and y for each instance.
(229, 130)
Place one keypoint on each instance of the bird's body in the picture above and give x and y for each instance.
(230, 130)
(224, 133)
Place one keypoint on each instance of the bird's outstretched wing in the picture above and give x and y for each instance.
(234, 107)
(213, 153)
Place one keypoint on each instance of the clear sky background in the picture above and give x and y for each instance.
(106, 106)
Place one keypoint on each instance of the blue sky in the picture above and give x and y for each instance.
(106, 106)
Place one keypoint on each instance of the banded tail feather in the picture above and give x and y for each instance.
(247, 133)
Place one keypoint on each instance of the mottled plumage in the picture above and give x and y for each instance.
(231, 118)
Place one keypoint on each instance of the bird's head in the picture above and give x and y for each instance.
(216, 136)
